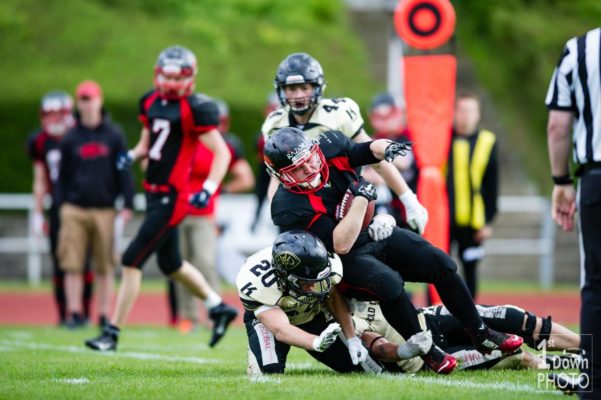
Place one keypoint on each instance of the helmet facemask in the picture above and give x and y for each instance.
(296, 69)
(175, 73)
(310, 291)
(302, 266)
(56, 113)
(309, 183)
(307, 103)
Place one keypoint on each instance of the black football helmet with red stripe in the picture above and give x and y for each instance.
(296, 69)
(175, 73)
(288, 151)
(302, 266)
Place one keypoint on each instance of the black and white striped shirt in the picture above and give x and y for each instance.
(576, 86)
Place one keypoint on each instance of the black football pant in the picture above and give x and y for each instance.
(589, 207)
(447, 331)
(158, 233)
(271, 354)
(470, 253)
(377, 271)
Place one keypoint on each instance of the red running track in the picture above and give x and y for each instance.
(151, 308)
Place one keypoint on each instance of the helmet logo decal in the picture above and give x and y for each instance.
(287, 260)
(297, 153)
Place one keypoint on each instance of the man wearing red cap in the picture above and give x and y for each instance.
(89, 183)
(56, 118)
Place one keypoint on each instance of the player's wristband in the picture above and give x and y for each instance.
(210, 186)
(563, 180)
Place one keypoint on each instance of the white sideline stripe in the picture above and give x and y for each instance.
(264, 379)
(124, 354)
(73, 381)
(470, 385)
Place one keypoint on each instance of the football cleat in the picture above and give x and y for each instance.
(439, 361)
(107, 341)
(222, 315)
(76, 321)
(568, 385)
(486, 340)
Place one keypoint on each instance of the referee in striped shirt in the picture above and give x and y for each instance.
(574, 103)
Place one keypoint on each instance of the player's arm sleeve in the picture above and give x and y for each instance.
(560, 95)
(360, 154)
(124, 176)
(250, 304)
(205, 115)
(236, 148)
(490, 186)
(32, 149)
(143, 105)
(352, 123)
(64, 171)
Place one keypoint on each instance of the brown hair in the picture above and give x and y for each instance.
(467, 94)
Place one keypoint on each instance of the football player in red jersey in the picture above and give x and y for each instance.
(56, 117)
(314, 177)
(174, 119)
(200, 225)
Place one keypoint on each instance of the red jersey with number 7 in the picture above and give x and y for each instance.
(174, 127)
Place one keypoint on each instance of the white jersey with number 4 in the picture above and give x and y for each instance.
(340, 114)
(258, 288)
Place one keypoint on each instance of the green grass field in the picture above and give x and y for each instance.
(52, 363)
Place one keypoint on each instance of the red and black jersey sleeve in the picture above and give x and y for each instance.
(343, 153)
(144, 105)
(34, 148)
(235, 145)
(205, 115)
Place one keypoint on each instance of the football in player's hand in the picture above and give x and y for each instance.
(345, 206)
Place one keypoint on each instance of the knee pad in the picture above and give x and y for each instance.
(528, 332)
(545, 330)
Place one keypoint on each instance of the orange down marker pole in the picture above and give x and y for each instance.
(429, 95)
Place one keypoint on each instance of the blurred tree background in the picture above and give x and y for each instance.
(514, 46)
(52, 44)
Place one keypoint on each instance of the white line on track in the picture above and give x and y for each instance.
(73, 381)
(124, 354)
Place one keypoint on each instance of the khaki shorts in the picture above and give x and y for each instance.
(84, 229)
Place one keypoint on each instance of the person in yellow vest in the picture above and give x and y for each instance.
(472, 183)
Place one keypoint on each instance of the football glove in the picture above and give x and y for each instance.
(356, 350)
(37, 224)
(395, 149)
(363, 188)
(327, 337)
(415, 214)
(200, 199)
(125, 160)
(381, 227)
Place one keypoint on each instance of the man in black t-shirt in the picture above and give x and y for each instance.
(56, 117)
